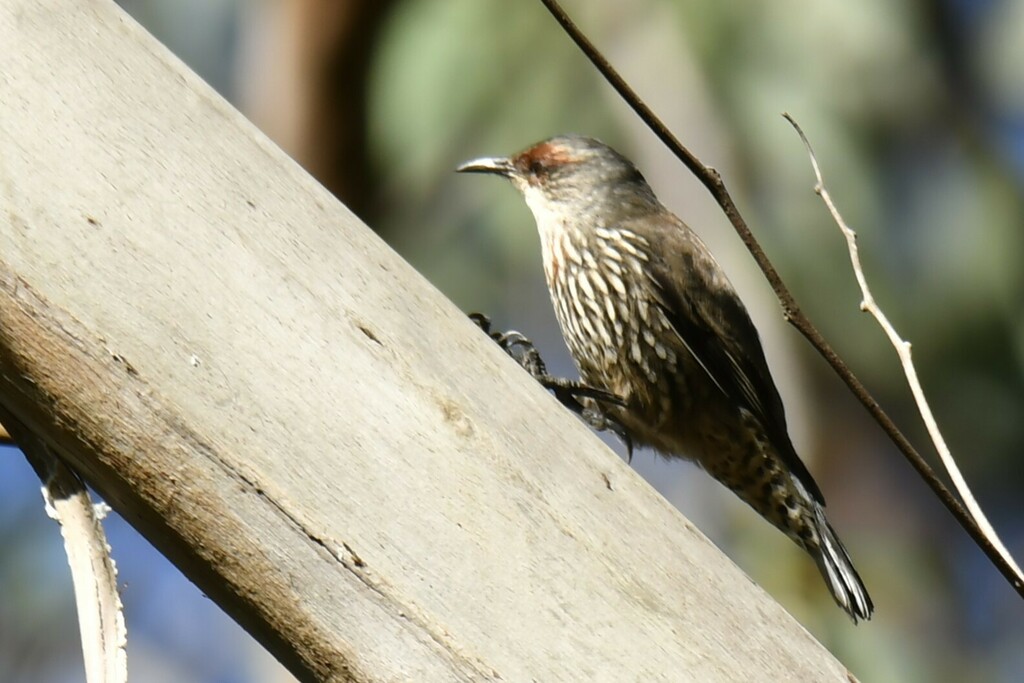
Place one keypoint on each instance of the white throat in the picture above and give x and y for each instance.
(550, 222)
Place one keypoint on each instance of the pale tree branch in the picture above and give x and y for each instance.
(869, 305)
(93, 574)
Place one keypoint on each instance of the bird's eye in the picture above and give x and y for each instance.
(537, 168)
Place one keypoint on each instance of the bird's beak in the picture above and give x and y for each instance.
(497, 165)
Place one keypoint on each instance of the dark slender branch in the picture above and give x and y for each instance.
(790, 310)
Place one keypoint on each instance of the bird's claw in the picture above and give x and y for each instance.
(568, 392)
(599, 421)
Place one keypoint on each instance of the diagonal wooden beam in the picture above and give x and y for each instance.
(312, 433)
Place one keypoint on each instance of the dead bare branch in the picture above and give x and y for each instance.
(869, 305)
(93, 574)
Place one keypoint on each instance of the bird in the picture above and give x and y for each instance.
(649, 316)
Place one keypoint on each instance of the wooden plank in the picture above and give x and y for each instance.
(320, 440)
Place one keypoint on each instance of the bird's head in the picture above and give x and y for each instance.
(569, 173)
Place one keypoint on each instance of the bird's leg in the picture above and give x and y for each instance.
(580, 398)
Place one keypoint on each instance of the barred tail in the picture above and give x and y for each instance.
(840, 575)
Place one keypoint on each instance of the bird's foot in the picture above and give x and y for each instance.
(598, 420)
(580, 398)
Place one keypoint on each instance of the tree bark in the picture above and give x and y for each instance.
(312, 433)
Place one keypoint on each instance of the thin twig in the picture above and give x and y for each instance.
(790, 310)
(869, 305)
(93, 574)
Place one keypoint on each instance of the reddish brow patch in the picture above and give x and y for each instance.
(535, 162)
(549, 154)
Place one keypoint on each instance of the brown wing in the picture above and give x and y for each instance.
(714, 326)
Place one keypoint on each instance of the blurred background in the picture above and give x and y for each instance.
(916, 111)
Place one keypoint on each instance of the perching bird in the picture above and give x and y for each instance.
(649, 316)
